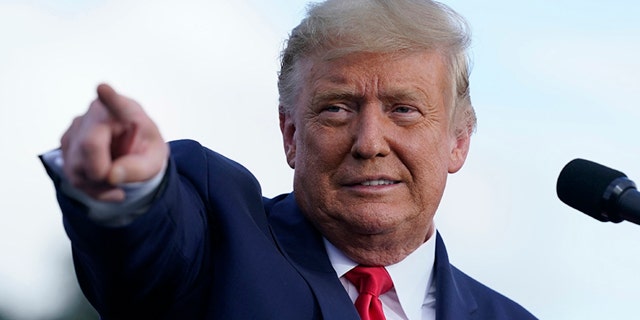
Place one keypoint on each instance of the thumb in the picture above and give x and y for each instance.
(141, 167)
(136, 168)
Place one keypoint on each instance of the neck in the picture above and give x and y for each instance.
(379, 250)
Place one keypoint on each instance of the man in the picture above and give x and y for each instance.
(374, 113)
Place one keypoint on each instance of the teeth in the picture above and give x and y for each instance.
(377, 182)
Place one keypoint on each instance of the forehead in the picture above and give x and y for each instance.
(422, 72)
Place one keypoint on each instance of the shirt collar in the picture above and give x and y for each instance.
(411, 277)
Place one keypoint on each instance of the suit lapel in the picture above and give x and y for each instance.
(453, 299)
(303, 246)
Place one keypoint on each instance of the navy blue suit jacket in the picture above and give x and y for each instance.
(211, 247)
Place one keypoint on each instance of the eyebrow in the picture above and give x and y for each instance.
(405, 95)
(329, 95)
(389, 96)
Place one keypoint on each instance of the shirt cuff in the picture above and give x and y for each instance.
(138, 195)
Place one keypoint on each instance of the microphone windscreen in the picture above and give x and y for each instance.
(582, 185)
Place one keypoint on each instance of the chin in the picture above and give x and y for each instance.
(372, 222)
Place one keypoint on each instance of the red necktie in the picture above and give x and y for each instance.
(371, 283)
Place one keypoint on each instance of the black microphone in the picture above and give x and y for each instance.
(601, 192)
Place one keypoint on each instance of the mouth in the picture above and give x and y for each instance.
(378, 182)
(372, 181)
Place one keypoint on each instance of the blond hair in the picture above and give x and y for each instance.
(336, 28)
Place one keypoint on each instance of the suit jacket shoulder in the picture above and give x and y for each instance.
(458, 296)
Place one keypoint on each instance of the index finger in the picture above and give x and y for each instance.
(118, 106)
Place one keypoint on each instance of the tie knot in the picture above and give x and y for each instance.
(371, 280)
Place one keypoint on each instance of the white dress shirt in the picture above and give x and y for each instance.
(413, 294)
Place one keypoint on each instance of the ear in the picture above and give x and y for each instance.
(288, 130)
(459, 149)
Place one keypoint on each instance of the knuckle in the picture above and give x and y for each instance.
(73, 132)
(64, 140)
(76, 121)
(95, 104)
(89, 146)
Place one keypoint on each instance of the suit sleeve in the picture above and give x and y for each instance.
(163, 259)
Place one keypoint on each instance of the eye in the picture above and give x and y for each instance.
(405, 115)
(404, 109)
(333, 108)
(335, 114)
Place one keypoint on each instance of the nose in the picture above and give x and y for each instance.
(369, 134)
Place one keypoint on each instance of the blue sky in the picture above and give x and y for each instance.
(552, 81)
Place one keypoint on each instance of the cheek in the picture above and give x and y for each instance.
(429, 168)
(320, 154)
(310, 163)
(322, 150)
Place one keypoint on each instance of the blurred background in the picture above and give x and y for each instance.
(552, 81)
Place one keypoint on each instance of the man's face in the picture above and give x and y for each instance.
(371, 145)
